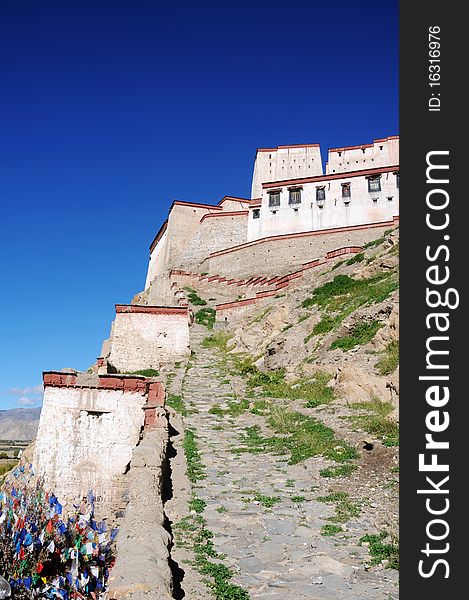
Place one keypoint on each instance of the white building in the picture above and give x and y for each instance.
(361, 186)
(290, 195)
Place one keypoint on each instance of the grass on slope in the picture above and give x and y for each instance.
(343, 295)
(299, 435)
(376, 420)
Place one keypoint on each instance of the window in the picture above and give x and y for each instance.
(294, 196)
(345, 190)
(397, 180)
(274, 198)
(374, 184)
(320, 194)
(256, 213)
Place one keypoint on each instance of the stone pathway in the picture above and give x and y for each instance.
(277, 552)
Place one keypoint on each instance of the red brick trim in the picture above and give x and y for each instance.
(290, 146)
(288, 236)
(58, 379)
(154, 390)
(330, 176)
(231, 213)
(359, 147)
(235, 304)
(235, 198)
(344, 250)
(195, 205)
(153, 310)
(311, 263)
(266, 294)
(156, 394)
(345, 148)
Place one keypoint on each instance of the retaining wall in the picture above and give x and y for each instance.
(280, 254)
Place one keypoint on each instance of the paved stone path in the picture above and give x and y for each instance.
(277, 553)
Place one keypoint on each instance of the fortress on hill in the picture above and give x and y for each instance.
(95, 426)
(296, 213)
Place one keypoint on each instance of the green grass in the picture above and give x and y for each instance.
(338, 471)
(216, 410)
(237, 408)
(177, 403)
(195, 469)
(362, 333)
(374, 243)
(267, 501)
(389, 362)
(290, 483)
(197, 504)
(206, 316)
(298, 499)
(329, 530)
(356, 258)
(337, 265)
(343, 295)
(217, 340)
(146, 373)
(298, 435)
(315, 391)
(376, 420)
(260, 407)
(382, 551)
(344, 508)
(194, 298)
(5, 467)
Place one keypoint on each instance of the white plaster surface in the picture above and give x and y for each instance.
(85, 439)
(145, 341)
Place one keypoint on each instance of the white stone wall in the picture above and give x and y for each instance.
(362, 207)
(158, 260)
(285, 162)
(85, 439)
(380, 153)
(145, 340)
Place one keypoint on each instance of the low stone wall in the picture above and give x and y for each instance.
(142, 568)
(280, 254)
(144, 337)
(89, 427)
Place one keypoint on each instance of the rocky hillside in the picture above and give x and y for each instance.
(289, 428)
(19, 423)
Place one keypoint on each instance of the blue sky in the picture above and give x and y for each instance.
(111, 110)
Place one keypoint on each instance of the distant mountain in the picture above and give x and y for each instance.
(19, 423)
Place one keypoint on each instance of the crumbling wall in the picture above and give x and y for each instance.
(144, 337)
(89, 427)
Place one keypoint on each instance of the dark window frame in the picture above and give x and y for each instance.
(292, 193)
(274, 199)
(321, 194)
(256, 213)
(346, 190)
(374, 184)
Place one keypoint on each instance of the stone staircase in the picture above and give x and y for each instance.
(274, 547)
